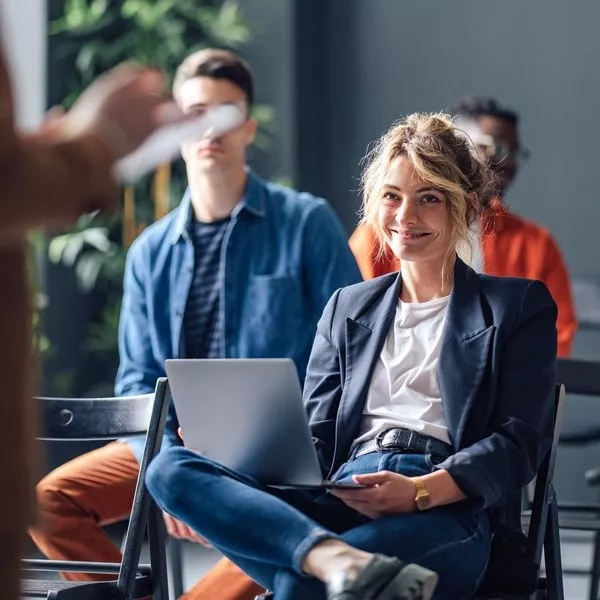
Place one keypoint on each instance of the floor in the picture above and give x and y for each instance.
(576, 554)
(576, 550)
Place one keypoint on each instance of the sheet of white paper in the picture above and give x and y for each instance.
(164, 144)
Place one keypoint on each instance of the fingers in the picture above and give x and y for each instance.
(187, 533)
(144, 80)
(170, 524)
(151, 81)
(175, 528)
(364, 508)
(127, 70)
(181, 531)
(373, 478)
(199, 539)
(55, 112)
(354, 495)
(53, 119)
(167, 112)
(359, 495)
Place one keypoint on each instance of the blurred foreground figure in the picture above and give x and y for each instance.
(49, 179)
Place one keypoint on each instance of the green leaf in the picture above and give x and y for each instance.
(97, 237)
(95, 35)
(57, 246)
(228, 27)
(62, 383)
(72, 250)
(87, 57)
(78, 15)
(147, 15)
(264, 114)
(88, 270)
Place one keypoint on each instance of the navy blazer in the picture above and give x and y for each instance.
(496, 377)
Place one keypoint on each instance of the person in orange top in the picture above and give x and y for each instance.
(512, 246)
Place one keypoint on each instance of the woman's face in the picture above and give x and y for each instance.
(413, 215)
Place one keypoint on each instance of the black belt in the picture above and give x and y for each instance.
(404, 439)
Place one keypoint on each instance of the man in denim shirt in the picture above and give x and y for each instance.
(243, 268)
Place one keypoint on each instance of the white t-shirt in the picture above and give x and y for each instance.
(404, 389)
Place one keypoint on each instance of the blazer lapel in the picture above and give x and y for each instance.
(365, 336)
(464, 353)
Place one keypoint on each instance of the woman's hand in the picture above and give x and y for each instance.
(181, 531)
(391, 493)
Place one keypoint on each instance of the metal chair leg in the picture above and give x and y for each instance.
(176, 563)
(552, 556)
(595, 573)
(157, 537)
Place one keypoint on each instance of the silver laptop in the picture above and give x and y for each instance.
(248, 415)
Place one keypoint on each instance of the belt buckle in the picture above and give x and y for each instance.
(379, 439)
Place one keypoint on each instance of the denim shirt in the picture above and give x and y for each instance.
(283, 255)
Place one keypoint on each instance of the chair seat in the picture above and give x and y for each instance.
(39, 588)
(592, 476)
(576, 438)
(78, 590)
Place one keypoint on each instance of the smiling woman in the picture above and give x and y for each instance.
(425, 185)
(432, 387)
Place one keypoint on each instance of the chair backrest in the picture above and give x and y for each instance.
(109, 418)
(579, 376)
(141, 512)
(513, 569)
(94, 418)
(544, 493)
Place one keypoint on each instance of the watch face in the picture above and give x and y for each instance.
(423, 500)
(424, 503)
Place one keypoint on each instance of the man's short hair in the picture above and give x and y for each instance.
(481, 106)
(216, 64)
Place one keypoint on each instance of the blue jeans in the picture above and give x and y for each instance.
(268, 532)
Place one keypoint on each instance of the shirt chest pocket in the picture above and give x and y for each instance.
(273, 312)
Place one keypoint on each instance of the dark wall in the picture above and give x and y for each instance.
(538, 56)
(270, 54)
(355, 66)
(338, 72)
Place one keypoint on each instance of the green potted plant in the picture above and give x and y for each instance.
(91, 36)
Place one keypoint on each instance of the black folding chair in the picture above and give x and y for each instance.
(514, 569)
(106, 419)
(583, 378)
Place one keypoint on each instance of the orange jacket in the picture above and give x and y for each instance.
(512, 247)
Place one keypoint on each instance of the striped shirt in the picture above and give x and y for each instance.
(203, 322)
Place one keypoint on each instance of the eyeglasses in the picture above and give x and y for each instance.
(498, 152)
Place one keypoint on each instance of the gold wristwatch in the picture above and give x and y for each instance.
(423, 498)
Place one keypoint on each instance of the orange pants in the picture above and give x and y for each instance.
(96, 489)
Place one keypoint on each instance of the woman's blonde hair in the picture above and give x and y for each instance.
(445, 158)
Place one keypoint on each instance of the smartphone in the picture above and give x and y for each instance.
(328, 485)
(344, 485)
